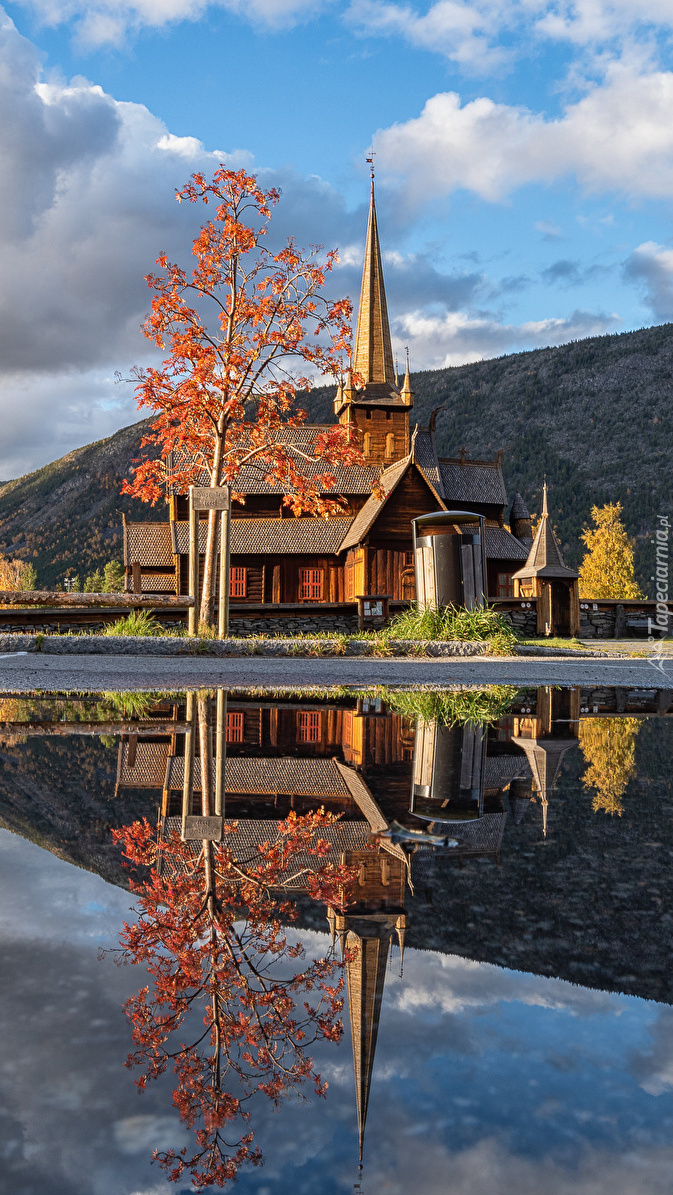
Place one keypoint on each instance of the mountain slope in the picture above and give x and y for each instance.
(595, 415)
(66, 517)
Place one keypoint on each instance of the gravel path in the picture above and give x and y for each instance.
(21, 673)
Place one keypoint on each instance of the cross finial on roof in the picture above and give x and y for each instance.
(462, 454)
(545, 508)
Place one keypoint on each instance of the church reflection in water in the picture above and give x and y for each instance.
(378, 765)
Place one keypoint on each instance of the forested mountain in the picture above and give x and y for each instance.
(595, 415)
(66, 518)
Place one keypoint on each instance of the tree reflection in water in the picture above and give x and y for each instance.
(210, 930)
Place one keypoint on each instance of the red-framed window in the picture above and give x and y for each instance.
(238, 582)
(505, 585)
(310, 584)
(235, 727)
(308, 727)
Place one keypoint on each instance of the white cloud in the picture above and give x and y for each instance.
(87, 203)
(651, 265)
(597, 21)
(618, 137)
(470, 34)
(549, 230)
(461, 31)
(142, 1134)
(455, 338)
(102, 22)
(475, 35)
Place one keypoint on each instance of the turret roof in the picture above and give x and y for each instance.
(519, 509)
(544, 558)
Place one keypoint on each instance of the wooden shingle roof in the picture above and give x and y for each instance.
(500, 544)
(355, 479)
(149, 764)
(472, 481)
(148, 544)
(285, 775)
(343, 836)
(425, 455)
(287, 536)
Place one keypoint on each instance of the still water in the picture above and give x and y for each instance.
(508, 1021)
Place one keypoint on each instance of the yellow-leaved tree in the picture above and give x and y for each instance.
(609, 747)
(607, 568)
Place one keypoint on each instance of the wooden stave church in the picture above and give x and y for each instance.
(278, 560)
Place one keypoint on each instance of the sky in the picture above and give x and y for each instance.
(523, 151)
(505, 1081)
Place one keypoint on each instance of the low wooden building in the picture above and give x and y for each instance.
(278, 559)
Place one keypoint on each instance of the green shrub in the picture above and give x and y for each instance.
(452, 622)
(28, 579)
(137, 622)
(94, 582)
(452, 708)
(113, 577)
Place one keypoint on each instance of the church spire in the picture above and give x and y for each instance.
(373, 351)
(406, 392)
(366, 975)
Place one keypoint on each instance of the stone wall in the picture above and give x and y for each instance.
(615, 620)
(342, 624)
(58, 625)
(523, 620)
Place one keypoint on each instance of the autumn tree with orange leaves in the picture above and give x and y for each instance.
(245, 330)
(210, 932)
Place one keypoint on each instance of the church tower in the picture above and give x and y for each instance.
(370, 401)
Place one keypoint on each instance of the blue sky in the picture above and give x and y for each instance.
(524, 153)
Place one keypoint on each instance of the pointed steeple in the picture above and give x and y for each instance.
(401, 927)
(545, 757)
(366, 972)
(373, 350)
(544, 558)
(406, 391)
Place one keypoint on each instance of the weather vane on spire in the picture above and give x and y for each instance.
(370, 159)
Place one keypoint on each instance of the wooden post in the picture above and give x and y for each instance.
(136, 580)
(193, 621)
(574, 596)
(187, 783)
(223, 608)
(220, 752)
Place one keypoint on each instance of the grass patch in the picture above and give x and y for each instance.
(452, 708)
(454, 623)
(555, 641)
(137, 622)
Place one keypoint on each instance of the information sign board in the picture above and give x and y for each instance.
(210, 498)
(202, 827)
